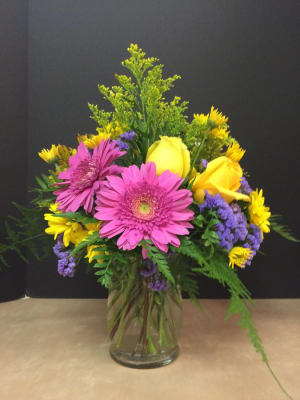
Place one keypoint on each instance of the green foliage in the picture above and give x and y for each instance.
(217, 268)
(201, 140)
(44, 193)
(238, 307)
(154, 254)
(26, 232)
(206, 223)
(90, 240)
(185, 277)
(139, 103)
(281, 229)
(78, 216)
(103, 265)
(100, 116)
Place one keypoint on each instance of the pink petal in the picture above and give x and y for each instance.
(105, 213)
(116, 183)
(160, 246)
(110, 228)
(169, 181)
(182, 216)
(144, 253)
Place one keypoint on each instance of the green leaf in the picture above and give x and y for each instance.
(77, 217)
(159, 259)
(281, 229)
(91, 239)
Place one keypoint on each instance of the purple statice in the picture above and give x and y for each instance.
(122, 145)
(253, 240)
(66, 264)
(153, 277)
(240, 230)
(204, 163)
(129, 136)
(232, 225)
(245, 187)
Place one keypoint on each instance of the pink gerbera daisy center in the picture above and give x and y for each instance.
(85, 174)
(144, 207)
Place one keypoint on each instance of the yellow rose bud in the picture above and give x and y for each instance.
(222, 176)
(169, 153)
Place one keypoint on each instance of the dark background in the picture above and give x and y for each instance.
(240, 56)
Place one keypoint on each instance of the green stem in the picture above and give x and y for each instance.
(200, 148)
(151, 346)
(144, 328)
(27, 240)
(127, 297)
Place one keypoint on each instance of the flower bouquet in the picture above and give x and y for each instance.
(151, 201)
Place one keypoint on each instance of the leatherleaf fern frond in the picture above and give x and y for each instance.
(237, 306)
(103, 265)
(158, 258)
(26, 232)
(90, 240)
(240, 299)
(77, 217)
(281, 229)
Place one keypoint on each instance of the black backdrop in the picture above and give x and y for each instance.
(13, 123)
(242, 57)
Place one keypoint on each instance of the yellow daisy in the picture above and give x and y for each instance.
(220, 133)
(217, 117)
(111, 131)
(235, 152)
(72, 231)
(49, 155)
(93, 140)
(93, 251)
(259, 213)
(63, 155)
(239, 256)
(93, 227)
(201, 118)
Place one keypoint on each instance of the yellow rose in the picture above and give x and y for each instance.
(222, 176)
(169, 153)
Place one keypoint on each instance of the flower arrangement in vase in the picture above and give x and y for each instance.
(151, 201)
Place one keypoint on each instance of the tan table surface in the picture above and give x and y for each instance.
(55, 349)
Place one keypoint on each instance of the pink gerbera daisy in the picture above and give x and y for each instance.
(85, 175)
(142, 205)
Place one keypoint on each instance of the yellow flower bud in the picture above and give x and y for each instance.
(169, 153)
(222, 176)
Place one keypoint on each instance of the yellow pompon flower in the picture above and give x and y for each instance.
(217, 117)
(72, 231)
(93, 140)
(235, 152)
(113, 129)
(239, 256)
(259, 213)
(93, 227)
(93, 251)
(63, 155)
(54, 207)
(49, 155)
(220, 133)
(201, 118)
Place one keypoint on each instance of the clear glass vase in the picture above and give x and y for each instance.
(144, 324)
